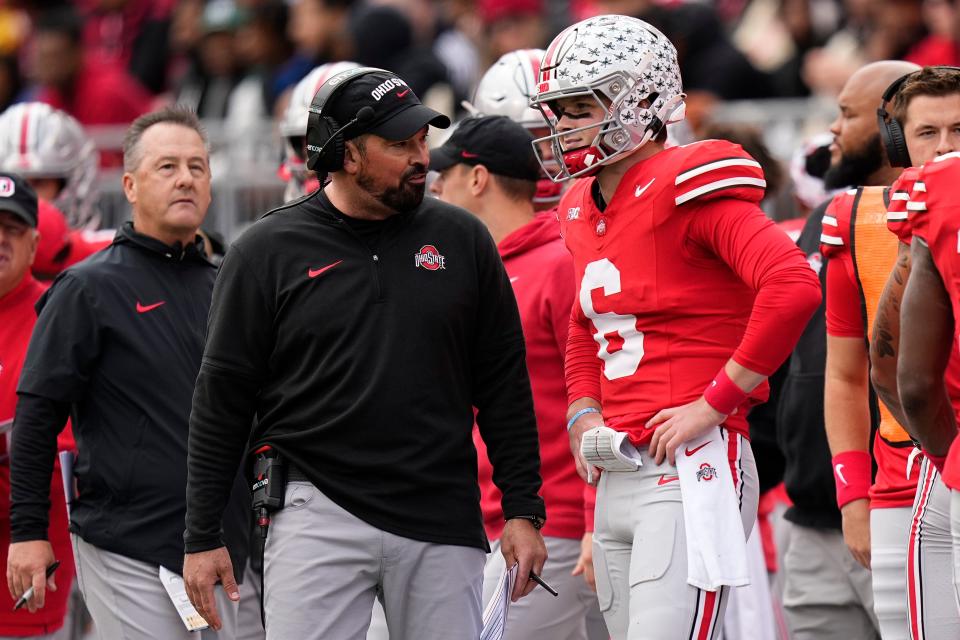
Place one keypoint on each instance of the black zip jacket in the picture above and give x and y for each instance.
(362, 364)
(117, 345)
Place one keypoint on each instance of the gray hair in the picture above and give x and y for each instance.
(176, 114)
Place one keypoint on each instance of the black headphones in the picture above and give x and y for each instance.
(324, 142)
(891, 131)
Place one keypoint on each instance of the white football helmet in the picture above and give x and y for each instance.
(293, 127)
(506, 90)
(38, 141)
(629, 68)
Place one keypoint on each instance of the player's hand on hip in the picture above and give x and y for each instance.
(677, 425)
(856, 530)
(522, 544)
(589, 473)
(201, 572)
(585, 561)
(27, 564)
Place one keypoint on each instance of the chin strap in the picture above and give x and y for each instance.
(583, 159)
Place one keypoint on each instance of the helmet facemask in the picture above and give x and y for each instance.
(629, 69)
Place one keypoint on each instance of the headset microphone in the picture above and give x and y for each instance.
(363, 116)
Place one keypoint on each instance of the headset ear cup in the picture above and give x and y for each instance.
(333, 155)
(317, 134)
(897, 145)
(319, 130)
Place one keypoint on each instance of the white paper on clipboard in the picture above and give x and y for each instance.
(495, 615)
(173, 583)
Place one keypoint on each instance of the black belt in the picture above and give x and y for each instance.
(295, 475)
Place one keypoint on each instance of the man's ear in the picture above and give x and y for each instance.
(129, 188)
(352, 158)
(478, 181)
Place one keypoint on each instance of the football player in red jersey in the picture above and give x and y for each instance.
(926, 108)
(687, 299)
(928, 330)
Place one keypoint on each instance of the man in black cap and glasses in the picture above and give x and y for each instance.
(361, 326)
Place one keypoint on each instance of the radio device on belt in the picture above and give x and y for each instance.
(269, 485)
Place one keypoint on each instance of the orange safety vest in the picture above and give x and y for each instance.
(874, 251)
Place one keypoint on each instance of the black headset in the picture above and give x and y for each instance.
(324, 139)
(891, 130)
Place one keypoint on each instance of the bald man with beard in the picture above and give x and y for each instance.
(860, 253)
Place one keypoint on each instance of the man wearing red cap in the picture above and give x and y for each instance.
(44, 614)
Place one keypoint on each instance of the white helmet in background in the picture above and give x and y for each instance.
(506, 90)
(38, 141)
(629, 68)
(293, 128)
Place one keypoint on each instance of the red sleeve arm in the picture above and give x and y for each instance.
(581, 364)
(844, 315)
(788, 291)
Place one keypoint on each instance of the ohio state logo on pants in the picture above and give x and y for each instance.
(429, 258)
(706, 472)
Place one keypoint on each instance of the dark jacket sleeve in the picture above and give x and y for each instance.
(763, 434)
(239, 341)
(501, 389)
(60, 359)
(33, 451)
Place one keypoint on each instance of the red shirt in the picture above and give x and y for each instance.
(17, 318)
(679, 273)
(892, 486)
(934, 215)
(541, 271)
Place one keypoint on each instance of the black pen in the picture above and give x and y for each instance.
(29, 592)
(543, 584)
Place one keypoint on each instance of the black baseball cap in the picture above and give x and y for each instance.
(497, 142)
(19, 198)
(397, 111)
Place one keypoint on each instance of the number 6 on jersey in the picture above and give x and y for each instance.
(617, 363)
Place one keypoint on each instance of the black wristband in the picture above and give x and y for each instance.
(535, 520)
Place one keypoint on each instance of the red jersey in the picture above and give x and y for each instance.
(861, 255)
(678, 273)
(934, 215)
(898, 222)
(541, 271)
(17, 318)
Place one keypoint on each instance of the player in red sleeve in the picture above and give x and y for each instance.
(687, 298)
(925, 107)
(506, 90)
(928, 336)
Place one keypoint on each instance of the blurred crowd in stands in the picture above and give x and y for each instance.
(236, 61)
(106, 61)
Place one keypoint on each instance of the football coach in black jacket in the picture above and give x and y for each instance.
(117, 346)
(361, 325)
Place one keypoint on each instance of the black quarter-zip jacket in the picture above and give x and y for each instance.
(362, 359)
(117, 345)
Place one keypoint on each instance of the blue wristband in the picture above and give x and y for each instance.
(580, 414)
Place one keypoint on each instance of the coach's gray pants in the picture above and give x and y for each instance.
(827, 595)
(127, 601)
(324, 567)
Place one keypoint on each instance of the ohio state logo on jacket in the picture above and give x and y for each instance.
(429, 258)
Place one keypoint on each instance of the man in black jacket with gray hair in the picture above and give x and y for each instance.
(117, 347)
